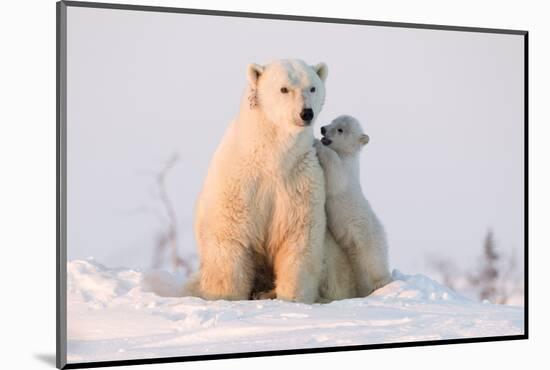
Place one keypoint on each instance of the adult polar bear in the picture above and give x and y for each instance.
(260, 217)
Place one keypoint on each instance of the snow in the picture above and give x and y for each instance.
(114, 314)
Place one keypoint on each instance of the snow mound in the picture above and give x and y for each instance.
(96, 284)
(113, 314)
(415, 287)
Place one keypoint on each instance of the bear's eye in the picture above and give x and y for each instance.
(284, 90)
(312, 89)
(340, 130)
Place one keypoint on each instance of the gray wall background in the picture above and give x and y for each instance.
(444, 111)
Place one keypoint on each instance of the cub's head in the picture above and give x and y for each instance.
(344, 135)
(289, 92)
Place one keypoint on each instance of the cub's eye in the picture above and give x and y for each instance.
(284, 90)
(312, 89)
(340, 130)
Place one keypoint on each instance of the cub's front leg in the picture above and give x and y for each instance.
(335, 174)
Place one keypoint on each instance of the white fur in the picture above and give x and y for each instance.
(260, 215)
(350, 217)
(337, 278)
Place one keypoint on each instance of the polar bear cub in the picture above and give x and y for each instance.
(350, 217)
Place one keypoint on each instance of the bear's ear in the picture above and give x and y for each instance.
(253, 72)
(322, 70)
(364, 139)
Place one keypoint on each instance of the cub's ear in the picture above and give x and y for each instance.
(253, 72)
(364, 139)
(322, 70)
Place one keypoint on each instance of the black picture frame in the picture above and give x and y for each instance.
(61, 186)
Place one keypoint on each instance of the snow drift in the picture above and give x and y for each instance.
(113, 314)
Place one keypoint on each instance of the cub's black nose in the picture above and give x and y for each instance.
(306, 114)
(326, 141)
(323, 130)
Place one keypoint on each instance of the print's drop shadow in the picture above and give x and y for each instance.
(47, 358)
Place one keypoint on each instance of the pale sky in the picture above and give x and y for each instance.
(443, 109)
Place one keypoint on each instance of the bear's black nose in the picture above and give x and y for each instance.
(306, 114)
(323, 130)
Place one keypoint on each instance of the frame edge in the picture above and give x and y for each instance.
(526, 189)
(61, 182)
(288, 17)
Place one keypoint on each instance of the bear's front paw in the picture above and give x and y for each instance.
(271, 294)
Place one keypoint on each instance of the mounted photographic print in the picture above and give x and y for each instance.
(238, 184)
